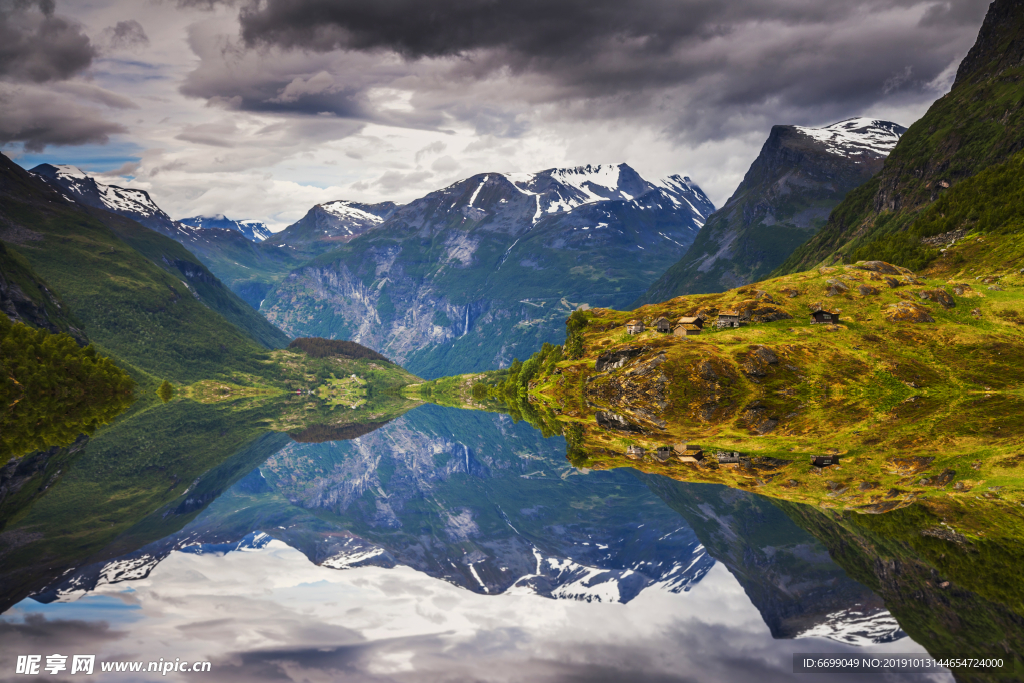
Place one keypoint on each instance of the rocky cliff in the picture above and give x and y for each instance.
(785, 197)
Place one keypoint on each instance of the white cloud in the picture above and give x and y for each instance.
(272, 615)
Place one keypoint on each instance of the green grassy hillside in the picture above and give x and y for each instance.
(24, 297)
(51, 390)
(918, 389)
(130, 308)
(179, 262)
(250, 269)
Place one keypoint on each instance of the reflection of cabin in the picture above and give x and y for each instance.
(826, 317)
(663, 453)
(694, 320)
(731, 459)
(824, 460)
(689, 453)
(635, 452)
(663, 325)
(686, 330)
(634, 327)
(729, 319)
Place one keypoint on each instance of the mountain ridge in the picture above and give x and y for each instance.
(488, 267)
(255, 231)
(979, 123)
(799, 175)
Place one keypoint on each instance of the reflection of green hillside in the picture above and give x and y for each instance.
(916, 410)
(152, 471)
(950, 593)
(51, 390)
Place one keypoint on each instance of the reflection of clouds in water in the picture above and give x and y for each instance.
(271, 615)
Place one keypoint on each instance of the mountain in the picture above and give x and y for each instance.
(232, 250)
(471, 275)
(800, 175)
(255, 231)
(140, 297)
(331, 224)
(977, 125)
(76, 185)
(448, 493)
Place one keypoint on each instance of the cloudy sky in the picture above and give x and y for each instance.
(271, 615)
(262, 108)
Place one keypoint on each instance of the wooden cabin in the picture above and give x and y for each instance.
(728, 319)
(686, 330)
(824, 460)
(692, 320)
(663, 453)
(634, 327)
(635, 452)
(663, 324)
(820, 317)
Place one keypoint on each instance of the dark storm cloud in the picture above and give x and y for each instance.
(126, 35)
(37, 45)
(39, 51)
(726, 66)
(38, 117)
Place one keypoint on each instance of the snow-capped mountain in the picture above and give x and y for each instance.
(138, 565)
(559, 190)
(857, 136)
(256, 231)
(83, 188)
(328, 225)
(492, 263)
(784, 199)
(474, 500)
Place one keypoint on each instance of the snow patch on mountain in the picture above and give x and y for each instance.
(857, 136)
(560, 190)
(857, 627)
(343, 209)
(565, 579)
(114, 198)
(256, 231)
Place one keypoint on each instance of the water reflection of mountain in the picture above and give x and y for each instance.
(787, 573)
(489, 505)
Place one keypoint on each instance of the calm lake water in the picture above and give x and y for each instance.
(444, 546)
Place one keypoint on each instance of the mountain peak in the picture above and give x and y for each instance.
(857, 136)
(54, 170)
(255, 231)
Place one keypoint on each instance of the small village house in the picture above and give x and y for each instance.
(634, 327)
(729, 319)
(686, 330)
(635, 452)
(663, 453)
(695, 320)
(824, 460)
(663, 324)
(819, 317)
